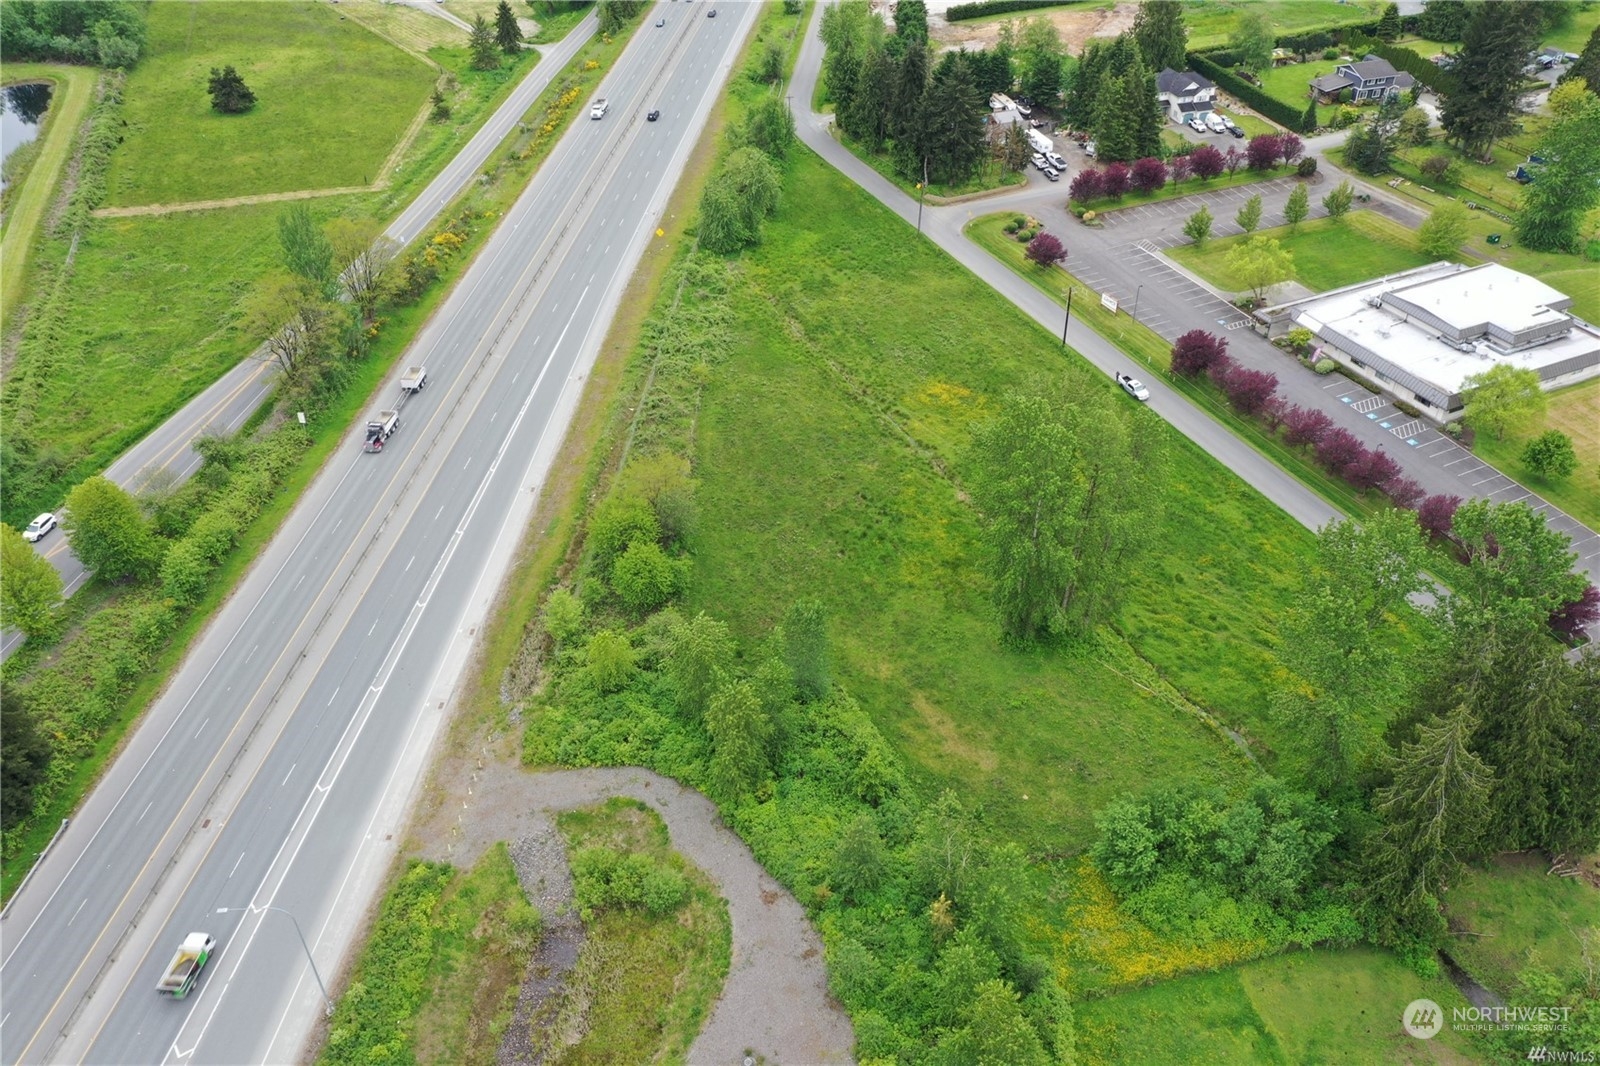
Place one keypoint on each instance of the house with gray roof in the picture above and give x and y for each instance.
(1370, 80)
(1185, 95)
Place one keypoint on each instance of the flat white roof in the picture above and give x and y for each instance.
(1418, 350)
(1487, 293)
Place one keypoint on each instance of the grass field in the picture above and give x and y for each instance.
(367, 92)
(1327, 254)
(1292, 84)
(1573, 37)
(1252, 124)
(645, 984)
(1523, 917)
(409, 28)
(73, 88)
(1211, 21)
(1304, 1007)
(1575, 411)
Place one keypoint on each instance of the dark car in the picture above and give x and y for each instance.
(1236, 131)
(711, 14)
(654, 114)
(661, 22)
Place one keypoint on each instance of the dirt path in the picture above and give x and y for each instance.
(775, 1003)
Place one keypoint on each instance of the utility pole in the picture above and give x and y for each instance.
(1068, 320)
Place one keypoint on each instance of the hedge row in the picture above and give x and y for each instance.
(1273, 108)
(959, 12)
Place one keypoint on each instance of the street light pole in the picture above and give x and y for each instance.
(1136, 293)
(1068, 321)
(326, 999)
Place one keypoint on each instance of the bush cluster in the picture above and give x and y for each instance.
(981, 8)
(604, 879)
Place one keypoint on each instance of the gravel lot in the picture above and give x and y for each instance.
(775, 1004)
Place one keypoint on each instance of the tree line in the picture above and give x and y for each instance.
(107, 33)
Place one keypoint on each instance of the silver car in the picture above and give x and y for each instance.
(39, 527)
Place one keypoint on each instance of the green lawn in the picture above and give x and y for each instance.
(1302, 1007)
(1575, 411)
(1327, 254)
(1253, 125)
(1574, 36)
(1211, 21)
(73, 88)
(333, 100)
(1523, 916)
(1292, 84)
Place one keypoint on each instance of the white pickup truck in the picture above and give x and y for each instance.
(599, 108)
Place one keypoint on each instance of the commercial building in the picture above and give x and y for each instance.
(1421, 334)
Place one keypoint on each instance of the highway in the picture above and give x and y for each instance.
(278, 767)
(227, 403)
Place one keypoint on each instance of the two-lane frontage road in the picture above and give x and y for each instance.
(279, 765)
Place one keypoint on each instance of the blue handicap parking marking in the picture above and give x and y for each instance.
(1372, 416)
(1411, 441)
(1344, 399)
(1386, 424)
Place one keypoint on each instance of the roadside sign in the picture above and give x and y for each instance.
(1109, 302)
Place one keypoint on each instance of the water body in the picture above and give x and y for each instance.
(22, 107)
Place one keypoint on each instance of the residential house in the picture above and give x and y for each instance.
(1185, 95)
(1370, 80)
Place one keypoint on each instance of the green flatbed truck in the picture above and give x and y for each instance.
(186, 965)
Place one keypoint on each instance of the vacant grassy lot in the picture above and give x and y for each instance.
(643, 985)
(333, 100)
(1575, 411)
(1528, 918)
(1292, 84)
(1211, 21)
(1327, 254)
(1305, 1007)
(69, 102)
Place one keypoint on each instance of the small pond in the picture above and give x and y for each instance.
(21, 109)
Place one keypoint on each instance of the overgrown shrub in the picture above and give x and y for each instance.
(605, 879)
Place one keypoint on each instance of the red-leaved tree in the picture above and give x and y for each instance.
(1089, 185)
(1233, 160)
(1437, 515)
(1404, 491)
(1195, 351)
(1182, 166)
(1116, 179)
(1339, 450)
(1207, 162)
(1304, 425)
(1262, 151)
(1248, 390)
(1149, 174)
(1273, 412)
(1046, 250)
(1377, 469)
(1290, 147)
(1571, 620)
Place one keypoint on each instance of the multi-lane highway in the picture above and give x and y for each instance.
(225, 405)
(277, 768)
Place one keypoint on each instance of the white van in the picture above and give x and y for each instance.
(1215, 124)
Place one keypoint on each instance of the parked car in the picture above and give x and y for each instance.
(1133, 387)
(39, 527)
(1040, 161)
(1052, 173)
(1088, 149)
(1196, 125)
(1235, 130)
(1215, 124)
(1055, 161)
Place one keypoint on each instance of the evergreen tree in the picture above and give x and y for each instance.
(1114, 124)
(1431, 819)
(1443, 20)
(871, 116)
(1389, 23)
(951, 121)
(1563, 191)
(908, 84)
(481, 43)
(507, 34)
(1488, 72)
(1162, 36)
(1082, 106)
(1144, 110)
(1308, 121)
(229, 94)
(911, 20)
(1587, 68)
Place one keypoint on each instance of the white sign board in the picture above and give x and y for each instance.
(1109, 302)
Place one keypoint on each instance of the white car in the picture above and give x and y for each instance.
(1055, 161)
(1040, 161)
(1088, 149)
(39, 527)
(1196, 125)
(599, 108)
(1052, 173)
(1133, 387)
(1215, 124)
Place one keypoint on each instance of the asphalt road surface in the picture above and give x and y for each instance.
(225, 405)
(279, 765)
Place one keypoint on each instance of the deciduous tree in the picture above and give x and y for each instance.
(1443, 231)
(1260, 263)
(296, 322)
(30, 593)
(307, 251)
(1304, 425)
(1207, 162)
(609, 658)
(1337, 203)
(1262, 151)
(1297, 207)
(1087, 187)
(1149, 174)
(740, 731)
(1550, 455)
(1586, 71)
(1249, 216)
(1196, 351)
(1114, 179)
(1437, 514)
(1252, 42)
(1518, 572)
(24, 758)
(362, 256)
(701, 653)
(1046, 250)
(1501, 398)
(108, 533)
(1563, 191)
(1198, 227)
